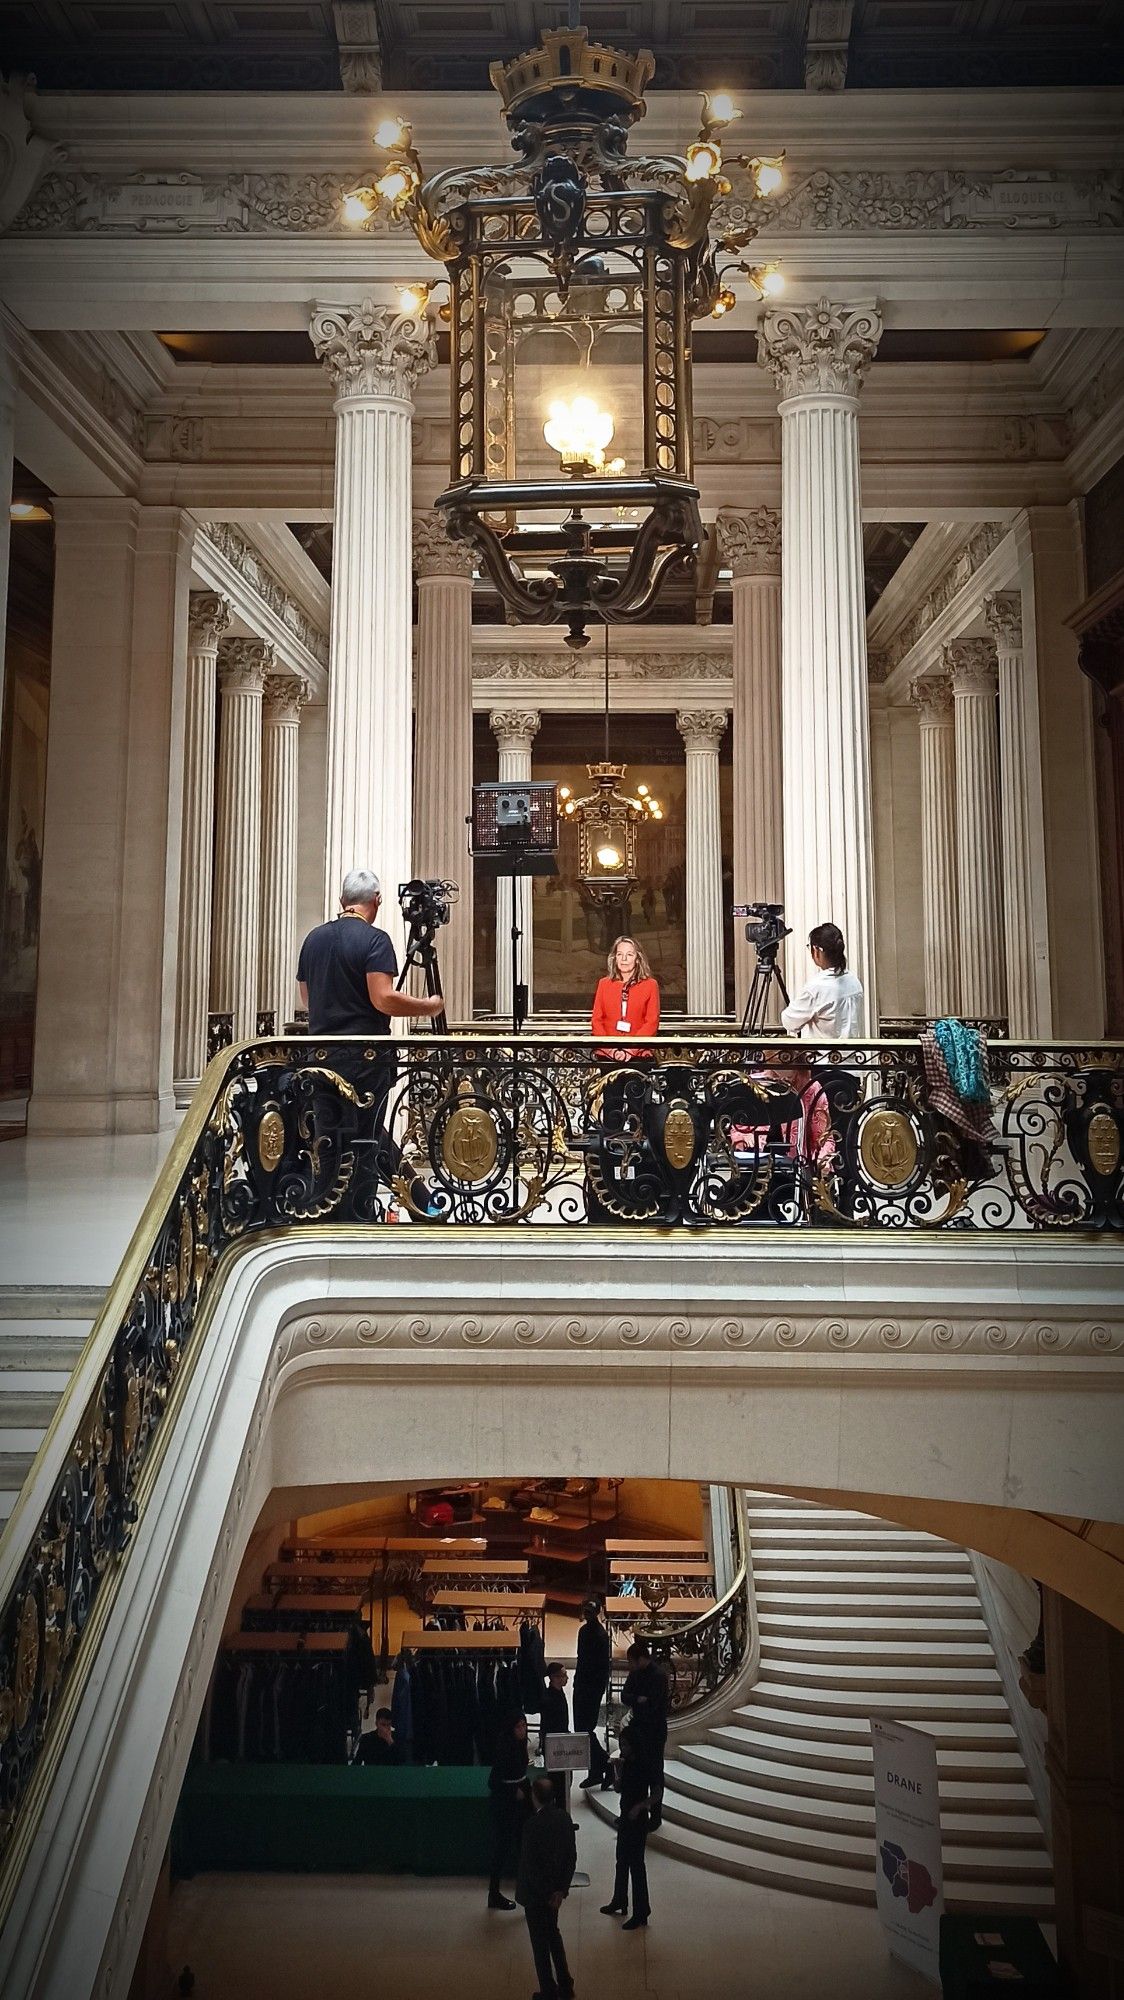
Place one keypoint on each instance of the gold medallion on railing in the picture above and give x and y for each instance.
(470, 1143)
(271, 1140)
(678, 1137)
(27, 1660)
(888, 1148)
(1103, 1142)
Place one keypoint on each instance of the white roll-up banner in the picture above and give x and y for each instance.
(907, 1836)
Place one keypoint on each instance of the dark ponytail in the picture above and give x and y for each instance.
(828, 938)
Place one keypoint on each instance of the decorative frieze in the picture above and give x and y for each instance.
(622, 667)
(953, 580)
(243, 557)
(854, 201)
(819, 350)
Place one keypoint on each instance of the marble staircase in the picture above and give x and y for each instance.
(857, 1618)
(42, 1331)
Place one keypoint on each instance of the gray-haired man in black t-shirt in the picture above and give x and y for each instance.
(346, 974)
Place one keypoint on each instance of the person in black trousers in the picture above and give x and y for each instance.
(595, 1653)
(634, 1786)
(548, 1856)
(508, 1800)
(554, 1720)
(647, 1696)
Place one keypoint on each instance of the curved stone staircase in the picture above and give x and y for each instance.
(857, 1618)
(42, 1333)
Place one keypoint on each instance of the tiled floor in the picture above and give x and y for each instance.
(274, 1937)
(69, 1206)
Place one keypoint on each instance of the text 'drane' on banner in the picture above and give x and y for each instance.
(907, 1837)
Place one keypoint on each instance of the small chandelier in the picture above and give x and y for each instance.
(574, 275)
(607, 821)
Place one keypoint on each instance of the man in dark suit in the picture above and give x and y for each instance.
(554, 1720)
(548, 1856)
(595, 1653)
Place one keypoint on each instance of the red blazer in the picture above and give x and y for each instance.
(642, 1008)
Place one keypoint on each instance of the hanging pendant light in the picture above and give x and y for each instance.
(608, 820)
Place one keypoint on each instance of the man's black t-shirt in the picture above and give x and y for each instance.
(334, 962)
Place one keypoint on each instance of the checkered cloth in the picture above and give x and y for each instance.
(972, 1121)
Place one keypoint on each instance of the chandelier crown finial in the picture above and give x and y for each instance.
(568, 69)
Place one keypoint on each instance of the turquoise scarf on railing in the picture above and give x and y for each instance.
(962, 1049)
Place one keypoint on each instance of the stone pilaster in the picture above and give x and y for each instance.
(1017, 715)
(374, 357)
(443, 742)
(515, 730)
(931, 695)
(750, 546)
(702, 731)
(244, 666)
(7, 461)
(285, 696)
(818, 356)
(971, 665)
(208, 618)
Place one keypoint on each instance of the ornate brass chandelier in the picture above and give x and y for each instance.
(574, 276)
(607, 820)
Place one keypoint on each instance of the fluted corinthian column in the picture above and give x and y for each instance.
(702, 731)
(818, 356)
(515, 730)
(374, 357)
(1004, 614)
(443, 741)
(244, 665)
(208, 618)
(971, 664)
(750, 546)
(932, 697)
(285, 696)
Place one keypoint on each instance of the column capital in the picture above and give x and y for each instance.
(750, 543)
(970, 663)
(1003, 610)
(372, 350)
(515, 728)
(434, 553)
(931, 695)
(285, 696)
(819, 350)
(208, 618)
(702, 728)
(244, 665)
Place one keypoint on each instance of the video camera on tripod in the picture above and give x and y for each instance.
(426, 905)
(766, 932)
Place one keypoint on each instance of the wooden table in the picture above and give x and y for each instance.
(483, 1568)
(702, 1571)
(415, 1640)
(509, 1602)
(656, 1546)
(633, 1610)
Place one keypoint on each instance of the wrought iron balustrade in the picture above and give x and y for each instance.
(702, 1132)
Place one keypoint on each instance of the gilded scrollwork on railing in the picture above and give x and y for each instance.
(702, 1132)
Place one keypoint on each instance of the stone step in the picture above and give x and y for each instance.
(780, 1718)
(745, 1794)
(880, 1671)
(766, 1540)
(945, 1709)
(774, 1579)
(847, 1747)
(983, 1797)
(26, 1410)
(821, 1553)
(847, 1626)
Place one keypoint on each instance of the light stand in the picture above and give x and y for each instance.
(515, 834)
(766, 974)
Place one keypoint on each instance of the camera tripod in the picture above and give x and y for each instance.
(766, 974)
(422, 952)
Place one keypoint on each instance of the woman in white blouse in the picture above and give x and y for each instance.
(831, 1005)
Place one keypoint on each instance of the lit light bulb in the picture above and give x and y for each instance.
(608, 857)
(578, 431)
(704, 160)
(570, 806)
(396, 184)
(724, 303)
(641, 791)
(768, 176)
(772, 281)
(564, 792)
(357, 206)
(720, 108)
(413, 299)
(391, 133)
(657, 812)
(615, 466)
(23, 510)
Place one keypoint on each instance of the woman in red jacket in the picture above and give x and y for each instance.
(627, 1003)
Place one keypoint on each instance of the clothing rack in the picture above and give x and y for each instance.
(415, 1640)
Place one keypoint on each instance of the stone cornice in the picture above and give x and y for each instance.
(261, 583)
(949, 586)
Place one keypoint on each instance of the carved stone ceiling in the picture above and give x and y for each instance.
(435, 44)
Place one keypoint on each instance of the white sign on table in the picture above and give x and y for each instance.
(907, 1838)
(566, 1752)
